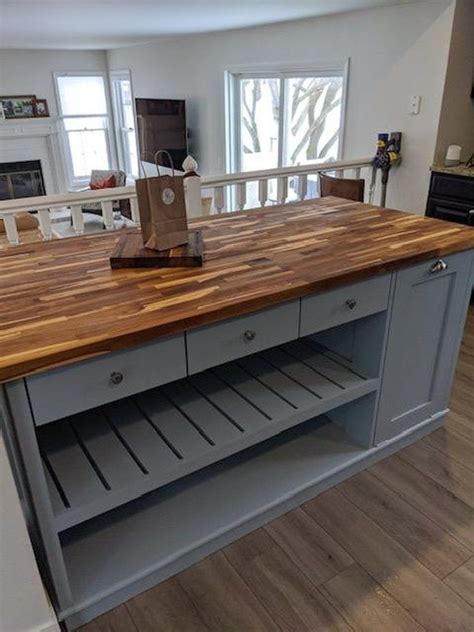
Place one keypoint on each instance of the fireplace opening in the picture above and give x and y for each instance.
(21, 179)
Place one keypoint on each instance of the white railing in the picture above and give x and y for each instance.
(195, 187)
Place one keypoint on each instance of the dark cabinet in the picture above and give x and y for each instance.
(451, 198)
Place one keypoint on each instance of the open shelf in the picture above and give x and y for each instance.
(135, 546)
(113, 454)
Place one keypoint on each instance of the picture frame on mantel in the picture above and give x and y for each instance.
(16, 107)
(40, 108)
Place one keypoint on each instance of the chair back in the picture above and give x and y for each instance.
(342, 187)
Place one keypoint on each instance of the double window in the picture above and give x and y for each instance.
(85, 120)
(282, 118)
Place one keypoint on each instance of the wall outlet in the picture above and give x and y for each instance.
(415, 104)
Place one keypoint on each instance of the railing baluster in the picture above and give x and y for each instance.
(357, 173)
(45, 224)
(77, 219)
(219, 199)
(263, 192)
(108, 215)
(241, 195)
(11, 230)
(282, 189)
(302, 186)
(134, 209)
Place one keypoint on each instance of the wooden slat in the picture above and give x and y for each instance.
(174, 426)
(302, 374)
(114, 461)
(330, 369)
(78, 307)
(263, 399)
(70, 465)
(228, 401)
(278, 382)
(141, 436)
(209, 419)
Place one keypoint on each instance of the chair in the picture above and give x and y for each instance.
(348, 188)
(122, 206)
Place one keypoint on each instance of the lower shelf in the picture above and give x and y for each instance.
(157, 535)
(111, 455)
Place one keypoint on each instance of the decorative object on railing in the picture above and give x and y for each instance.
(301, 179)
(387, 155)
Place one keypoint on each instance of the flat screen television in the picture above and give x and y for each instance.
(161, 124)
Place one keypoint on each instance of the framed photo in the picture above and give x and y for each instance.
(18, 106)
(41, 108)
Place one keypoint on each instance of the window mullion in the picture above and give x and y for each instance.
(282, 121)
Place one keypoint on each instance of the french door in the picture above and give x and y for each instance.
(285, 118)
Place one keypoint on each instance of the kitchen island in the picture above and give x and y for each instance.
(153, 416)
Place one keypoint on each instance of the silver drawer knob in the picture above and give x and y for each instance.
(249, 334)
(439, 266)
(351, 303)
(116, 377)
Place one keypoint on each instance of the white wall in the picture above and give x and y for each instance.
(394, 52)
(31, 71)
(456, 125)
(23, 603)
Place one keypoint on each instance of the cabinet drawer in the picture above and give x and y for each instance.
(69, 390)
(238, 337)
(344, 304)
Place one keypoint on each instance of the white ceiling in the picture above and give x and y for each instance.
(102, 24)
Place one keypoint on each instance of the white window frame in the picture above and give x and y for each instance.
(232, 78)
(75, 182)
(114, 77)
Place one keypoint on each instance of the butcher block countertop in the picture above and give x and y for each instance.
(60, 301)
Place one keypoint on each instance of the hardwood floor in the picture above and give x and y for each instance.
(389, 550)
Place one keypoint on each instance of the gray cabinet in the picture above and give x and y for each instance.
(429, 307)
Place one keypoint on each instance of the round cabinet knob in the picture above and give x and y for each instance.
(249, 334)
(439, 266)
(351, 303)
(116, 377)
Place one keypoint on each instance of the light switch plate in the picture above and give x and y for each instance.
(415, 101)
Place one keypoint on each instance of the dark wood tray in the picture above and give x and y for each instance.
(130, 253)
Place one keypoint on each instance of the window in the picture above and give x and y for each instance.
(280, 119)
(85, 123)
(122, 100)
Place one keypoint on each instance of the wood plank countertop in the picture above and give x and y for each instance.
(60, 301)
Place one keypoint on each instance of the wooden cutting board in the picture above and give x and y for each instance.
(130, 253)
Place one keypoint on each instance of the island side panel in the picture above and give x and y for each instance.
(18, 417)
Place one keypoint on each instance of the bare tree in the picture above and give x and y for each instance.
(248, 119)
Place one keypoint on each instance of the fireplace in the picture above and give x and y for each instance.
(21, 179)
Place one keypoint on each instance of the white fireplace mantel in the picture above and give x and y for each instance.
(35, 139)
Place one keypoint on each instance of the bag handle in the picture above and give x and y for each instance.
(167, 153)
(155, 158)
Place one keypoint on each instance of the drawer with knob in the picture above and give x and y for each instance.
(69, 390)
(231, 339)
(343, 304)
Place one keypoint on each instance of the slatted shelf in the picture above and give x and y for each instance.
(105, 457)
